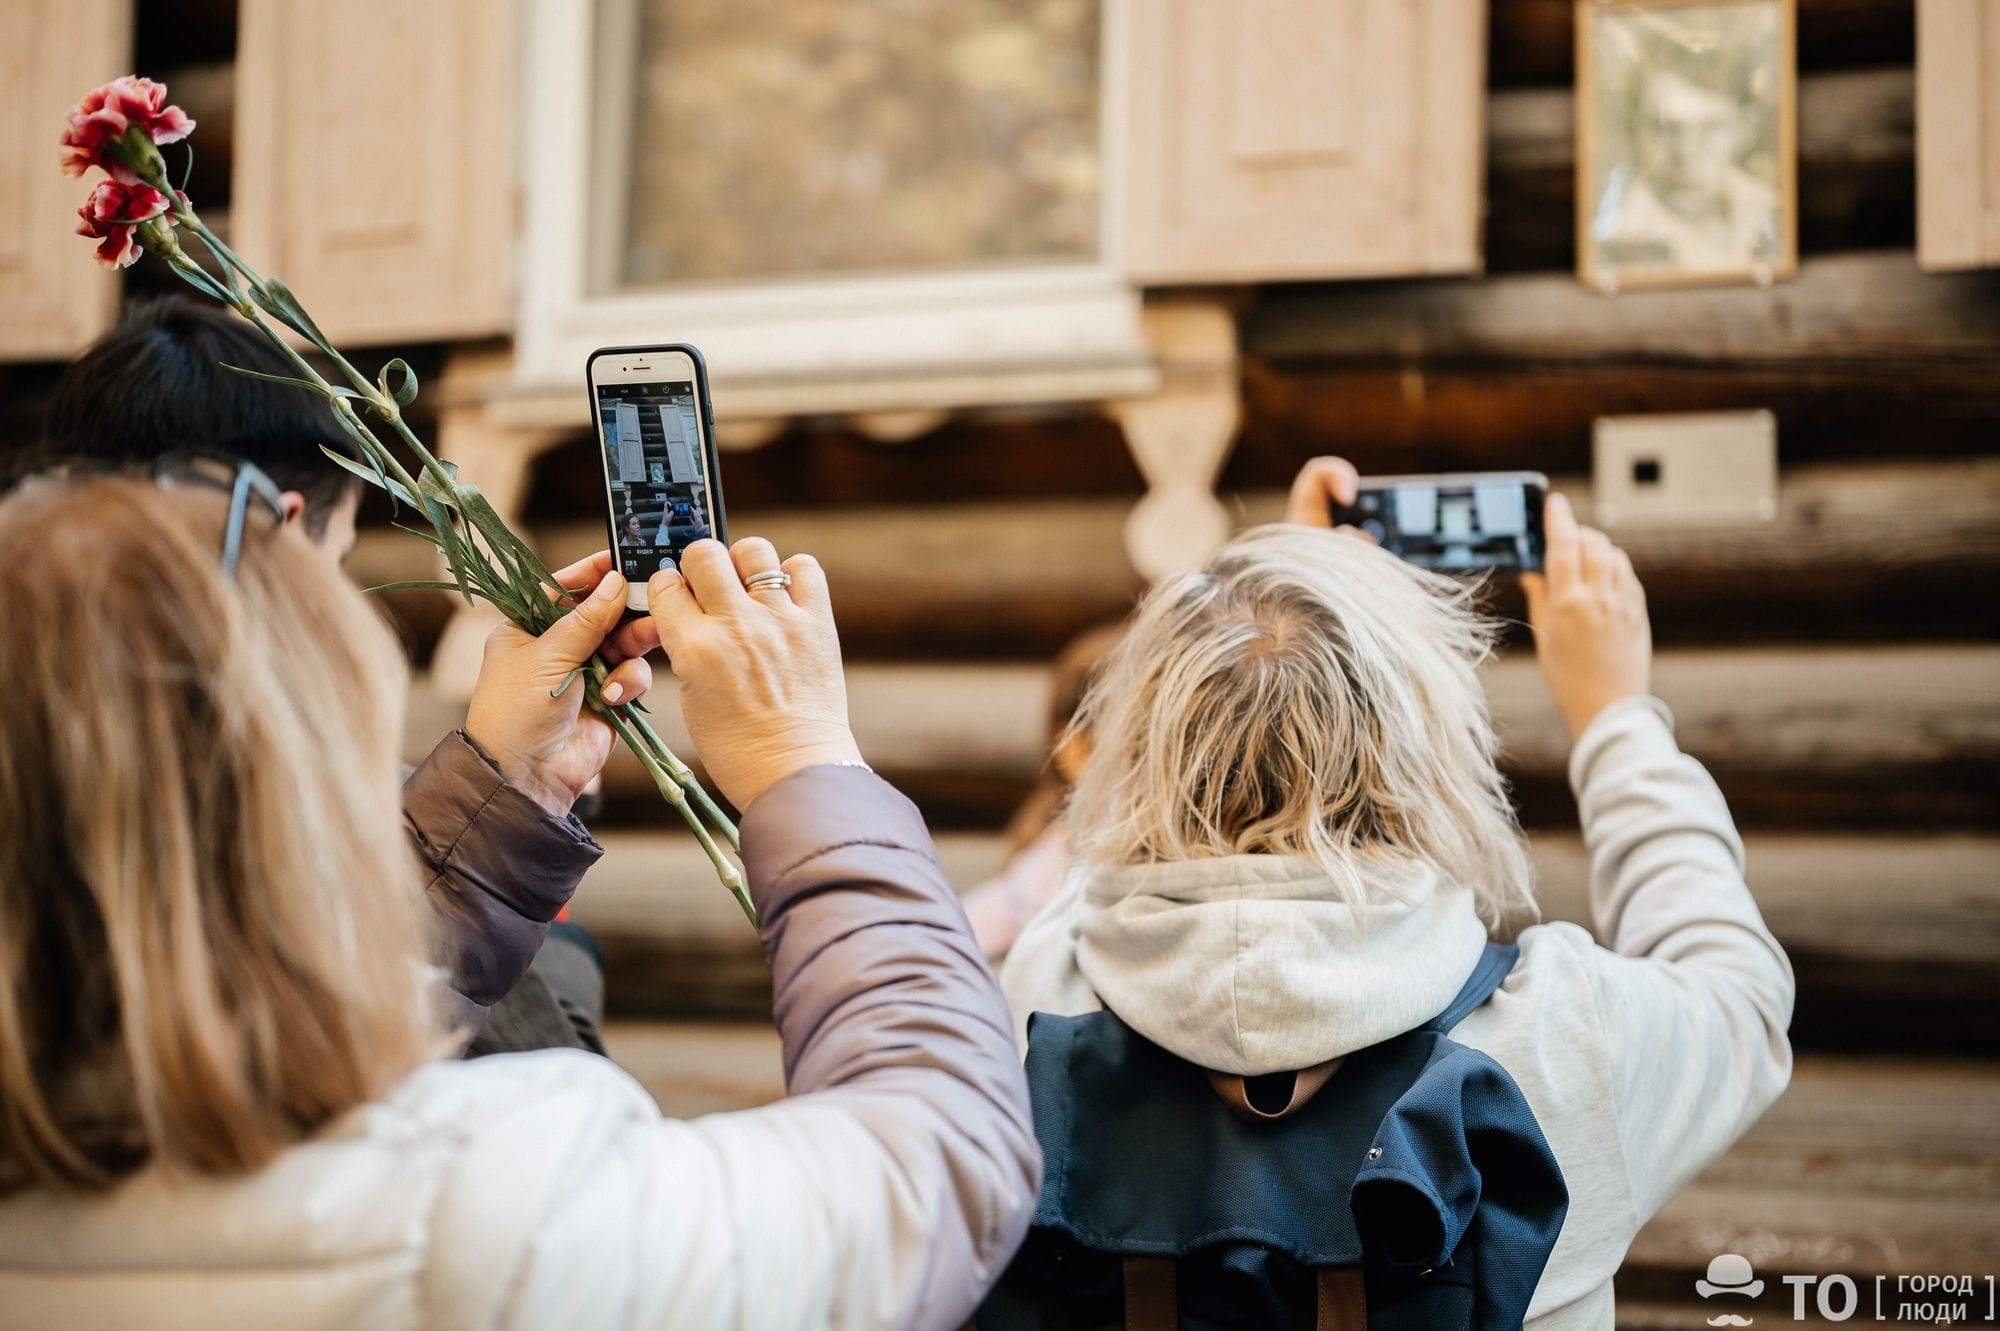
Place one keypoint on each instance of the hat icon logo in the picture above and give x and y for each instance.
(1729, 1274)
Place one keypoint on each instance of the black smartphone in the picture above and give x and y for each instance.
(656, 430)
(1466, 522)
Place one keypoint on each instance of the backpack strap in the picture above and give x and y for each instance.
(1152, 1301)
(1306, 1083)
(1487, 976)
(1342, 1300)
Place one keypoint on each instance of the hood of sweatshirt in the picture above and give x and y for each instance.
(1245, 964)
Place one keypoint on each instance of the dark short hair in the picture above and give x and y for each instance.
(156, 385)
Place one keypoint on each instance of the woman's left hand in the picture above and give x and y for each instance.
(1320, 484)
(550, 747)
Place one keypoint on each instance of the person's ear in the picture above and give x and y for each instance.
(291, 504)
(1072, 755)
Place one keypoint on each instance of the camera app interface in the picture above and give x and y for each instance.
(659, 487)
(1455, 528)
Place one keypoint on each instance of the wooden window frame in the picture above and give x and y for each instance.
(980, 335)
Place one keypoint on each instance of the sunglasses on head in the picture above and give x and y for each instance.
(242, 480)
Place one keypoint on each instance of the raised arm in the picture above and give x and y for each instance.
(1697, 999)
(488, 810)
(894, 1185)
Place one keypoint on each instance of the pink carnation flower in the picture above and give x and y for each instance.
(105, 114)
(110, 215)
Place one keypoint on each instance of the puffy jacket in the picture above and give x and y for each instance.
(545, 1190)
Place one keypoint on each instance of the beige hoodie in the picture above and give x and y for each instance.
(1643, 1059)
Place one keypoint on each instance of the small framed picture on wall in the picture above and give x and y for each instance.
(1686, 125)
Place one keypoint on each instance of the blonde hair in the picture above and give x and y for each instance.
(1305, 694)
(212, 936)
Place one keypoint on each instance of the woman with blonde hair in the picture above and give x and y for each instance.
(221, 1100)
(1292, 842)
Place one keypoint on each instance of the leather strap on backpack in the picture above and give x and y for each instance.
(1343, 1300)
(1152, 1301)
(1306, 1083)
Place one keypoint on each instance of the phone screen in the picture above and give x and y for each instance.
(661, 497)
(1452, 524)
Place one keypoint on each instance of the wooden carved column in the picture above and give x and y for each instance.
(1181, 434)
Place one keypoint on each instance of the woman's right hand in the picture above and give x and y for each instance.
(761, 685)
(1588, 612)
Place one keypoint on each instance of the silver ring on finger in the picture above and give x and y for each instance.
(770, 577)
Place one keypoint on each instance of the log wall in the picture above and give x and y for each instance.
(1838, 668)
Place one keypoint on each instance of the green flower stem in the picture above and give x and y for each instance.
(725, 869)
(682, 775)
(694, 788)
(487, 559)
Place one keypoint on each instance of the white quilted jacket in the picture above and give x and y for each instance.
(545, 1189)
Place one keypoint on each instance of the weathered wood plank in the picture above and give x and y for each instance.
(1855, 553)
(675, 942)
(1389, 414)
(692, 1068)
(1895, 938)
(1857, 737)
(1863, 1167)
(1840, 308)
(1856, 164)
(1534, 41)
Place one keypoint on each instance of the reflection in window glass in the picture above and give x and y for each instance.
(775, 138)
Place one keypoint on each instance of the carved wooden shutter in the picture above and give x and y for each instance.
(375, 167)
(1958, 133)
(1271, 139)
(54, 298)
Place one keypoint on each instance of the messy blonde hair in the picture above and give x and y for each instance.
(211, 927)
(1305, 694)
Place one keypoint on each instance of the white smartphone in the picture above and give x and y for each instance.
(656, 425)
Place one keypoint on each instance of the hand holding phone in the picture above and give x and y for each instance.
(656, 427)
(1592, 636)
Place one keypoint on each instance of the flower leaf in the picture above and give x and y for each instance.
(567, 680)
(421, 533)
(372, 473)
(287, 380)
(405, 391)
(451, 543)
(277, 300)
(414, 584)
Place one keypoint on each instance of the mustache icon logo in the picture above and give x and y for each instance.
(1729, 1274)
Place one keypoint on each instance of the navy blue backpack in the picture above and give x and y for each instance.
(1406, 1186)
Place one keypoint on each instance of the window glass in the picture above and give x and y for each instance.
(790, 138)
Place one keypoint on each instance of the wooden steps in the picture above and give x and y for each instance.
(1848, 738)
(1924, 973)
